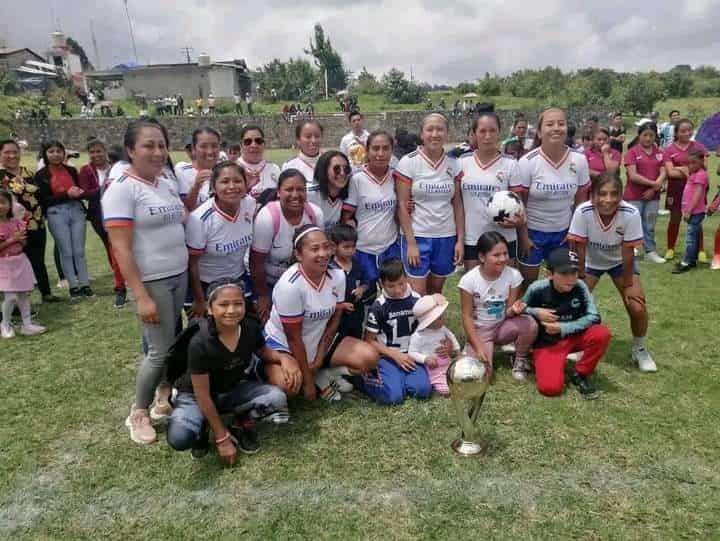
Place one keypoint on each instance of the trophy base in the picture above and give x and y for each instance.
(467, 448)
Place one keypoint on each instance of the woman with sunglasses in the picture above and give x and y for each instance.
(261, 175)
(330, 187)
(308, 140)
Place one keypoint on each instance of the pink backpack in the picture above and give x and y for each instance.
(275, 213)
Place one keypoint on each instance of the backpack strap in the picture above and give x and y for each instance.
(274, 210)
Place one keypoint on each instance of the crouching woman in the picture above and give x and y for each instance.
(220, 380)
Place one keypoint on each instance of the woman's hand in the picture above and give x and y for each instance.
(649, 194)
(291, 373)
(199, 308)
(410, 206)
(202, 176)
(515, 221)
(605, 149)
(551, 327)
(413, 254)
(147, 310)
(459, 253)
(264, 304)
(517, 308)
(18, 236)
(546, 316)
(525, 246)
(308, 385)
(227, 452)
(74, 192)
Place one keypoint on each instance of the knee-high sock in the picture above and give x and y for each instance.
(672, 234)
(7, 307)
(23, 302)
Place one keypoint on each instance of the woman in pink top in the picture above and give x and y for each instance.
(601, 158)
(646, 178)
(693, 206)
(676, 163)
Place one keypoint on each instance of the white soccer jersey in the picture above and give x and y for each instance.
(551, 187)
(219, 239)
(279, 246)
(261, 176)
(354, 147)
(374, 202)
(296, 299)
(185, 175)
(117, 170)
(304, 164)
(156, 214)
(332, 210)
(479, 182)
(604, 242)
(432, 189)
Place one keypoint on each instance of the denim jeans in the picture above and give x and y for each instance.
(168, 295)
(67, 225)
(648, 214)
(692, 242)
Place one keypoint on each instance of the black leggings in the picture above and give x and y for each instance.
(35, 251)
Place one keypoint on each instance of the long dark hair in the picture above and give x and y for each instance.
(488, 241)
(133, 129)
(55, 143)
(641, 128)
(6, 195)
(321, 174)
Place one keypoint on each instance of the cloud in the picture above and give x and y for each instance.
(441, 41)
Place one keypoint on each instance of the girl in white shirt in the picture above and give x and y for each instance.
(330, 188)
(306, 312)
(261, 175)
(144, 216)
(273, 230)
(194, 178)
(491, 310)
(308, 140)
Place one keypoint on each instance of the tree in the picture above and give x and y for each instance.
(292, 80)
(398, 89)
(642, 91)
(367, 83)
(466, 87)
(76, 48)
(490, 85)
(328, 60)
(678, 83)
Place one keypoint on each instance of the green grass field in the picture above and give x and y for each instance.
(639, 463)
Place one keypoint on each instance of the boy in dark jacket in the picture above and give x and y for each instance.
(569, 322)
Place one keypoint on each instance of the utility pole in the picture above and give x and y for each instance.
(95, 46)
(187, 50)
(132, 34)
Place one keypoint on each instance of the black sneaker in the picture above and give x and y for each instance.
(75, 294)
(202, 446)
(50, 298)
(86, 291)
(584, 386)
(246, 438)
(120, 299)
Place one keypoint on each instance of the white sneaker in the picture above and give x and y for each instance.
(141, 431)
(575, 356)
(161, 409)
(32, 329)
(63, 284)
(278, 417)
(342, 385)
(508, 348)
(520, 370)
(7, 331)
(644, 360)
(655, 257)
(663, 212)
(715, 263)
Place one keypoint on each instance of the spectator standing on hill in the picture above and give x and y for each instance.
(353, 143)
(238, 103)
(249, 102)
(667, 129)
(617, 133)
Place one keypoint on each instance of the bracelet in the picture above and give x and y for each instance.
(225, 438)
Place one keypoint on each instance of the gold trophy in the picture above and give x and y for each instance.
(468, 382)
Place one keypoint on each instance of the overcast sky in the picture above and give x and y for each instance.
(444, 41)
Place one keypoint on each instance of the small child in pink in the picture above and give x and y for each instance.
(694, 206)
(16, 275)
(432, 343)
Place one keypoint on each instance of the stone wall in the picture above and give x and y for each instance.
(74, 132)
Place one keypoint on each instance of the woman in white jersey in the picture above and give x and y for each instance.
(261, 175)
(330, 186)
(604, 233)
(433, 235)
(218, 234)
(194, 179)
(371, 203)
(308, 140)
(144, 215)
(306, 312)
(273, 230)
(485, 172)
(553, 180)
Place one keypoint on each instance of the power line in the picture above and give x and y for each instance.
(187, 50)
(95, 46)
(132, 34)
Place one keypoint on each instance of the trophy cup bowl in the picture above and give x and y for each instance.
(468, 382)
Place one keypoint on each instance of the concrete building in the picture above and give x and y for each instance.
(11, 59)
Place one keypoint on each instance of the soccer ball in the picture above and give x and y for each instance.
(503, 205)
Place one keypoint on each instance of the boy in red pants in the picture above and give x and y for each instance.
(569, 322)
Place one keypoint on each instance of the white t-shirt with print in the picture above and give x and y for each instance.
(304, 164)
(219, 239)
(490, 296)
(332, 210)
(479, 182)
(267, 174)
(551, 187)
(374, 202)
(156, 213)
(297, 299)
(354, 147)
(432, 187)
(185, 175)
(605, 242)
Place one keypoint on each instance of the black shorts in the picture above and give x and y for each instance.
(471, 251)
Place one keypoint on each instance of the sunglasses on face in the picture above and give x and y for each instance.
(250, 140)
(341, 169)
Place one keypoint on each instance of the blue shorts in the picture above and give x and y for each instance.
(436, 256)
(370, 263)
(544, 243)
(615, 272)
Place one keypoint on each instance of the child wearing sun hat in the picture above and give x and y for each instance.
(432, 343)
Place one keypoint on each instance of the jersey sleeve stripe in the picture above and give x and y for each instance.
(195, 251)
(292, 319)
(635, 242)
(399, 176)
(258, 251)
(519, 189)
(577, 238)
(118, 222)
(347, 206)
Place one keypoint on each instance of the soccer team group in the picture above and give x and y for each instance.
(326, 275)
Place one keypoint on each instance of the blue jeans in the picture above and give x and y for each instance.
(648, 213)
(390, 384)
(692, 242)
(67, 225)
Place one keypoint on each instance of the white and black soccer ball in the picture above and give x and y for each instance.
(503, 206)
